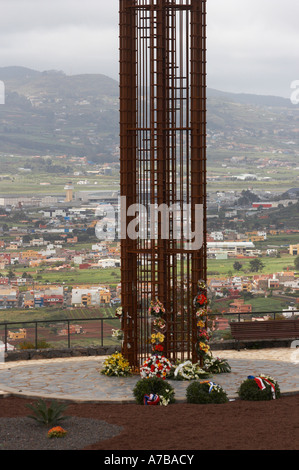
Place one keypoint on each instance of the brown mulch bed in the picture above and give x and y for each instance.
(237, 425)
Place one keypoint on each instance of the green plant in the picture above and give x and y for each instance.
(250, 389)
(205, 392)
(44, 414)
(154, 385)
(28, 345)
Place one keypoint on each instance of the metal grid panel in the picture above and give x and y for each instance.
(163, 161)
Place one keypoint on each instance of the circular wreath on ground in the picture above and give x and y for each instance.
(205, 392)
(259, 388)
(156, 386)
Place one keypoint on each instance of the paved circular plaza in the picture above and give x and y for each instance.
(80, 380)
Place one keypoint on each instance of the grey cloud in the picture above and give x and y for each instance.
(252, 44)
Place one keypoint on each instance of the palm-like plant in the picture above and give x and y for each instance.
(44, 414)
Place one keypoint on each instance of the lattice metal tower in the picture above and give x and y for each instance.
(163, 161)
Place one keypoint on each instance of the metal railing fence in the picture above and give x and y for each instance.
(100, 332)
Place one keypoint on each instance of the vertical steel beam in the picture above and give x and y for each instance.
(128, 122)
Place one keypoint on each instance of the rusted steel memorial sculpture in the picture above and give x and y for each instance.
(163, 172)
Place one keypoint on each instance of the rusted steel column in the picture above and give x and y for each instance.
(128, 119)
(198, 138)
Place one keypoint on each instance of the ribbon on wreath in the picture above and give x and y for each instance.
(151, 399)
(211, 384)
(260, 383)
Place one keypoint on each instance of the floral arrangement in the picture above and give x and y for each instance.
(156, 340)
(187, 371)
(116, 365)
(57, 431)
(215, 365)
(159, 323)
(201, 303)
(154, 389)
(167, 397)
(118, 334)
(156, 308)
(119, 312)
(155, 366)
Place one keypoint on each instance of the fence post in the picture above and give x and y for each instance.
(68, 334)
(36, 335)
(5, 336)
(102, 333)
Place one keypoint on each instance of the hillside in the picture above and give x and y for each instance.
(50, 113)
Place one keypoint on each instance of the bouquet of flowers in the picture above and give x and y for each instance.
(156, 340)
(118, 334)
(119, 312)
(201, 312)
(167, 397)
(159, 324)
(116, 365)
(155, 366)
(203, 335)
(203, 348)
(156, 308)
(188, 371)
(215, 365)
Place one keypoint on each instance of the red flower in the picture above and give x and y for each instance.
(201, 299)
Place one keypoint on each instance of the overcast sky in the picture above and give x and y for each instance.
(253, 45)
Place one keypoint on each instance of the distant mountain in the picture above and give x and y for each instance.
(51, 113)
(250, 99)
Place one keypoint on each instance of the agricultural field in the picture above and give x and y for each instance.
(222, 268)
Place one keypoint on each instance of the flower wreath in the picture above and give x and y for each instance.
(261, 379)
(201, 303)
(155, 366)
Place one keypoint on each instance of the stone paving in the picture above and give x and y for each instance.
(79, 379)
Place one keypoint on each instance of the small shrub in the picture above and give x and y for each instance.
(250, 391)
(205, 392)
(154, 385)
(44, 414)
(58, 431)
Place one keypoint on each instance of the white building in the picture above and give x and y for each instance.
(288, 313)
(109, 263)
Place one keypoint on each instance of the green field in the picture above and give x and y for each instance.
(272, 265)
